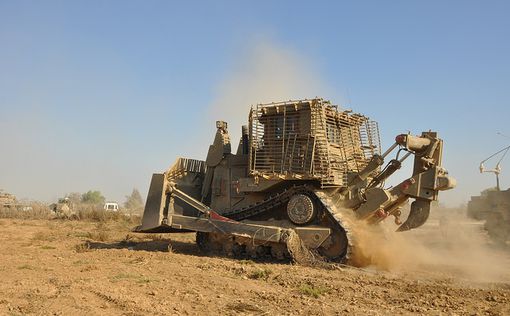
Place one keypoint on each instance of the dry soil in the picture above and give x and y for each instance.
(56, 267)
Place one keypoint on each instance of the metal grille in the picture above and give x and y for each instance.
(184, 165)
(310, 139)
(280, 139)
(370, 140)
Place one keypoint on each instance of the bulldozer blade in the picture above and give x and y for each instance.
(420, 210)
(153, 212)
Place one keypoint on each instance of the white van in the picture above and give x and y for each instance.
(111, 206)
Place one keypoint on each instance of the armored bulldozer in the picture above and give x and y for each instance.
(302, 168)
(493, 207)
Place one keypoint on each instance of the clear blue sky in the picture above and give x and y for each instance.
(100, 94)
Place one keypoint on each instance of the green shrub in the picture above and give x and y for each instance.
(310, 290)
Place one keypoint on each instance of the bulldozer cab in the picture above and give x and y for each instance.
(311, 140)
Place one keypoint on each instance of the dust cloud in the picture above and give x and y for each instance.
(265, 72)
(453, 247)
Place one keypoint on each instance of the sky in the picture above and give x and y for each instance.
(101, 94)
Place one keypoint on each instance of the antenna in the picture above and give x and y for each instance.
(497, 169)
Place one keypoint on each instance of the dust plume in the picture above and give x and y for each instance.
(265, 72)
(456, 248)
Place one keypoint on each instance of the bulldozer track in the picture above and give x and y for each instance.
(337, 221)
(268, 204)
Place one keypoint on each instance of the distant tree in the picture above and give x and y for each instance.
(74, 197)
(134, 201)
(93, 197)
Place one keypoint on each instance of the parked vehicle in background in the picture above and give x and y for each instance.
(493, 204)
(111, 206)
(63, 208)
(8, 200)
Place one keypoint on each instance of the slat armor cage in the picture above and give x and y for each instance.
(310, 139)
(184, 165)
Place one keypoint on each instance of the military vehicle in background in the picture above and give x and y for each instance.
(63, 208)
(8, 200)
(493, 205)
(302, 169)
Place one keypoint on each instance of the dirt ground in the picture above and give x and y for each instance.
(56, 267)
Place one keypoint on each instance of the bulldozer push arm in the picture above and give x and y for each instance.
(375, 203)
(168, 218)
